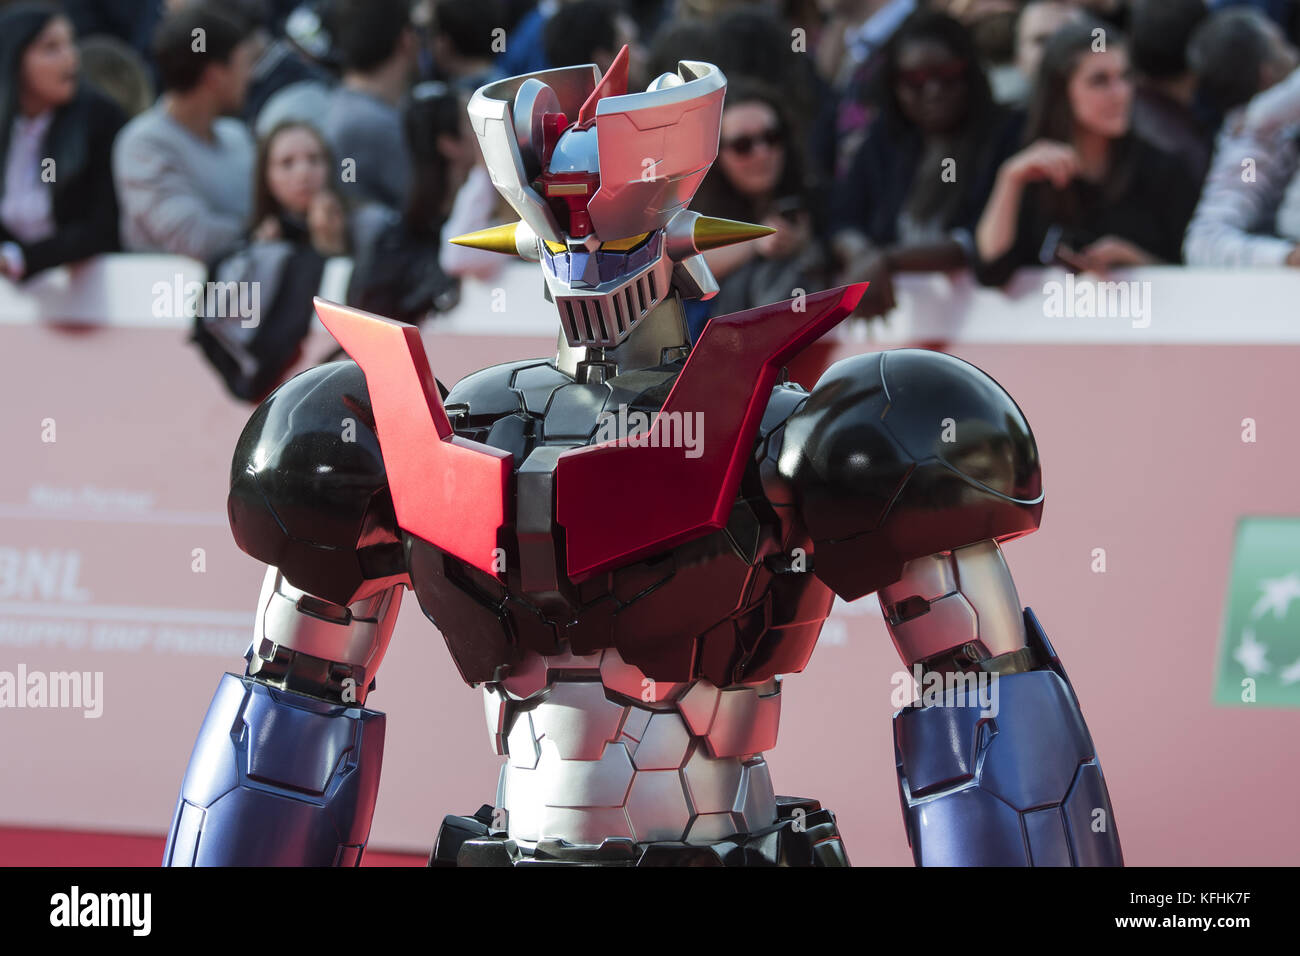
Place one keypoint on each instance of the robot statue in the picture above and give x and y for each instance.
(627, 546)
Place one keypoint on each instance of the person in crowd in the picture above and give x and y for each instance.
(121, 73)
(758, 45)
(650, 15)
(295, 197)
(306, 39)
(1086, 191)
(1164, 106)
(680, 40)
(477, 205)
(849, 57)
(1273, 117)
(525, 50)
(400, 273)
(973, 12)
(1038, 20)
(57, 201)
(300, 222)
(277, 63)
(593, 31)
(131, 21)
(363, 124)
(1111, 14)
(361, 118)
(759, 177)
(854, 31)
(914, 191)
(183, 167)
(1282, 12)
(462, 42)
(1238, 54)
(992, 26)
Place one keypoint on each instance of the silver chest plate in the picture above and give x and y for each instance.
(596, 750)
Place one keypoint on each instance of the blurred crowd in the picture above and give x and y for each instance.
(877, 137)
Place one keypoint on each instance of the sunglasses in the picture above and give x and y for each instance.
(947, 74)
(744, 145)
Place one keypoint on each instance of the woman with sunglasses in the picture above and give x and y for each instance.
(57, 201)
(759, 177)
(1086, 192)
(916, 186)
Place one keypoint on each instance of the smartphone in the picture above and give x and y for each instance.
(1053, 252)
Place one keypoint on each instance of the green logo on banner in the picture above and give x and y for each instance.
(1259, 653)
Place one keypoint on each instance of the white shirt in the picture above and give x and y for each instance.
(27, 209)
(1234, 224)
(179, 193)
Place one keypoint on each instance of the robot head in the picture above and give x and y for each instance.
(601, 179)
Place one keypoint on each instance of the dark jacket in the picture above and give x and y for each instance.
(396, 273)
(80, 141)
(1151, 210)
(871, 197)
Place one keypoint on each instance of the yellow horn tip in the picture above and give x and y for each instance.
(710, 233)
(494, 239)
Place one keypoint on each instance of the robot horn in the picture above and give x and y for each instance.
(710, 233)
(493, 239)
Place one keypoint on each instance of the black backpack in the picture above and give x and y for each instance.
(276, 280)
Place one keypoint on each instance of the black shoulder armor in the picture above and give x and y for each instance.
(896, 455)
(308, 492)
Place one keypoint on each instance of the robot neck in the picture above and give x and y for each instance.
(659, 338)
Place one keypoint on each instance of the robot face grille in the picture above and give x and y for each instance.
(602, 294)
(605, 320)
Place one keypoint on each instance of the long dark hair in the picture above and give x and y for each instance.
(930, 194)
(718, 197)
(20, 25)
(264, 204)
(941, 28)
(433, 111)
(1051, 116)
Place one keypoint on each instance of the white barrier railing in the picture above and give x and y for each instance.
(1134, 307)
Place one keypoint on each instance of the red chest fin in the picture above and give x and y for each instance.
(618, 502)
(451, 492)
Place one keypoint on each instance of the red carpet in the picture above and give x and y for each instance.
(24, 847)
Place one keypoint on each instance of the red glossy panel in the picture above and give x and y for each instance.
(619, 502)
(450, 491)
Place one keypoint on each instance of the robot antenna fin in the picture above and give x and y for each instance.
(493, 239)
(613, 83)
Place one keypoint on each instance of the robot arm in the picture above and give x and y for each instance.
(286, 765)
(908, 467)
(995, 763)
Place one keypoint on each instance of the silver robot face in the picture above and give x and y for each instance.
(602, 294)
